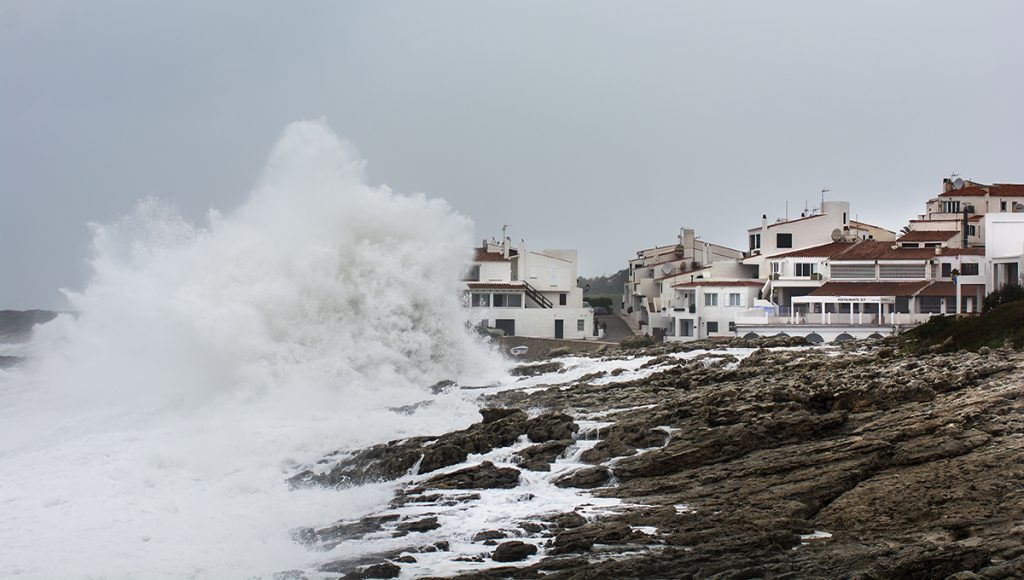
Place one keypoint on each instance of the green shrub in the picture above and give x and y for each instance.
(1005, 295)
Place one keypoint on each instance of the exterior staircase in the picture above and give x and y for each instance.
(536, 296)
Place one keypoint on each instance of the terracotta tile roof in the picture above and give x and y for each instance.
(869, 250)
(482, 255)
(869, 288)
(720, 283)
(496, 285)
(829, 250)
(995, 190)
(948, 289)
(928, 236)
(963, 251)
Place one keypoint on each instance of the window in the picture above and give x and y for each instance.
(951, 207)
(971, 231)
(732, 327)
(562, 299)
(735, 299)
(783, 240)
(499, 300)
(755, 241)
(947, 269)
(969, 269)
(914, 271)
(776, 267)
(481, 300)
(853, 271)
(473, 273)
(580, 324)
(805, 270)
(1002, 206)
(844, 218)
(711, 300)
(712, 327)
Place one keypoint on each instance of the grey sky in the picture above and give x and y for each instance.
(626, 120)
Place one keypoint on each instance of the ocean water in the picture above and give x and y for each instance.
(150, 436)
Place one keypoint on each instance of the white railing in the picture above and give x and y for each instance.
(782, 316)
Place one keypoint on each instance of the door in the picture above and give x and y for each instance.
(559, 329)
(506, 324)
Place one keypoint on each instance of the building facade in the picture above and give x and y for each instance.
(527, 293)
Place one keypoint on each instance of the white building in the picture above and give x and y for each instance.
(814, 227)
(967, 202)
(527, 293)
(860, 288)
(1004, 249)
(656, 269)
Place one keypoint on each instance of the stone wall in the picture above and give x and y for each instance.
(540, 347)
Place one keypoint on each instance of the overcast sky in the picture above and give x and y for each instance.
(604, 126)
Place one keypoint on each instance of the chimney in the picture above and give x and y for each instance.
(504, 241)
(947, 185)
(688, 241)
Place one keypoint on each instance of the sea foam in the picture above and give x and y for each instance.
(150, 434)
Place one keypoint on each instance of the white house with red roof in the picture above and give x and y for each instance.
(965, 203)
(858, 288)
(814, 227)
(527, 293)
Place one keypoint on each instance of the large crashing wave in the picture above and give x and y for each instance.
(150, 435)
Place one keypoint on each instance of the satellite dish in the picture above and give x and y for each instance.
(958, 183)
(837, 235)
(667, 269)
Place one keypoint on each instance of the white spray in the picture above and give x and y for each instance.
(150, 435)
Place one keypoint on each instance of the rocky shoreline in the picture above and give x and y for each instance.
(782, 462)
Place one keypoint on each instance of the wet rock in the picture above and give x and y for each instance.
(585, 478)
(534, 369)
(382, 570)
(569, 520)
(442, 387)
(491, 415)
(488, 535)
(397, 458)
(419, 526)
(550, 426)
(539, 457)
(483, 476)
(560, 351)
(514, 551)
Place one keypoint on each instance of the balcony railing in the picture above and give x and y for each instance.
(783, 316)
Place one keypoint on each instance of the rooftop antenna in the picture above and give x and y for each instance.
(824, 190)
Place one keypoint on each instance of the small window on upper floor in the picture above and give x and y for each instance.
(969, 269)
(947, 269)
(562, 299)
(580, 324)
(1002, 206)
(783, 240)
